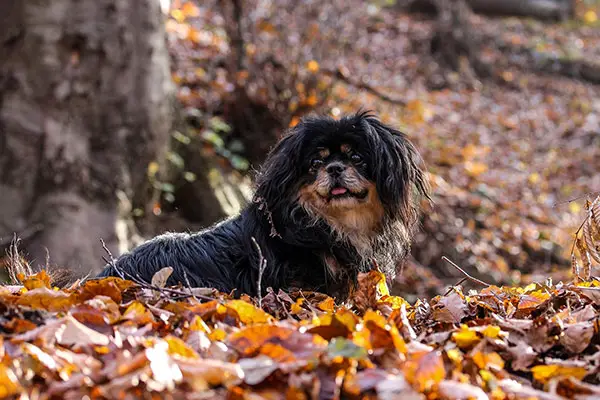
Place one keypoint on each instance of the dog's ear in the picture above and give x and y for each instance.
(280, 173)
(398, 169)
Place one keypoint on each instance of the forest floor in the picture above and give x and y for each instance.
(506, 154)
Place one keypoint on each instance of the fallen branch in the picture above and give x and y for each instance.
(467, 276)
(337, 74)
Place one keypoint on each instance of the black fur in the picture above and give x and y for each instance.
(293, 242)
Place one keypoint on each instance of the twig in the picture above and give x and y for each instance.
(140, 282)
(147, 285)
(558, 203)
(363, 86)
(112, 260)
(262, 265)
(455, 285)
(189, 285)
(465, 273)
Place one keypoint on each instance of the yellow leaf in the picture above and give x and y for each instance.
(152, 168)
(179, 347)
(198, 324)
(534, 178)
(590, 17)
(482, 360)
(382, 287)
(9, 384)
(543, 373)
(574, 207)
(474, 169)
(312, 66)
(455, 356)
(217, 334)
(178, 15)
(249, 314)
(297, 306)
(138, 313)
(491, 331)
(469, 151)
(465, 337)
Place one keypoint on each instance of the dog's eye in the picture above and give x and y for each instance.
(356, 158)
(316, 163)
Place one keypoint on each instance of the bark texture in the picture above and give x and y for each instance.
(84, 107)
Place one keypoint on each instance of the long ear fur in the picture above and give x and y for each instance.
(400, 179)
(277, 190)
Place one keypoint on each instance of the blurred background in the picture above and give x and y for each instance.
(120, 120)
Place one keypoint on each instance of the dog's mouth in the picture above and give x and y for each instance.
(340, 193)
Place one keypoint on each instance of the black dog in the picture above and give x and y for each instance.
(332, 199)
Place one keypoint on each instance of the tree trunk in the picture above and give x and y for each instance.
(84, 108)
(455, 44)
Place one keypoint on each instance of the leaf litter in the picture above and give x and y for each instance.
(112, 338)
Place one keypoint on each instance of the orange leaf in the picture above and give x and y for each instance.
(41, 279)
(312, 66)
(532, 300)
(45, 299)
(327, 304)
(9, 383)
(425, 369)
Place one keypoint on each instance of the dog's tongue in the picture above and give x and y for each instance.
(338, 190)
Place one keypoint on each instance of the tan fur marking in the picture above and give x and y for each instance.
(355, 219)
(345, 148)
(324, 153)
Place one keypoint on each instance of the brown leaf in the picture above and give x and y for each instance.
(451, 308)
(577, 337)
(159, 279)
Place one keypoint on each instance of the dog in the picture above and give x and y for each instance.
(332, 199)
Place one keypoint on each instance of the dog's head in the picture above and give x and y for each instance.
(355, 175)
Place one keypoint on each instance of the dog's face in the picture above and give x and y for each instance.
(355, 174)
(338, 185)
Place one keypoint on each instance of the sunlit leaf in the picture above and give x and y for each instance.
(248, 313)
(9, 383)
(543, 373)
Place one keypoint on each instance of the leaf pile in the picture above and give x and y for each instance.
(112, 338)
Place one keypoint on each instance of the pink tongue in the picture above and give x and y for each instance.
(338, 191)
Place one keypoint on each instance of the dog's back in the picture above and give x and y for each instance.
(201, 259)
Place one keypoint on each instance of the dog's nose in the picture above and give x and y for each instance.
(335, 168)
